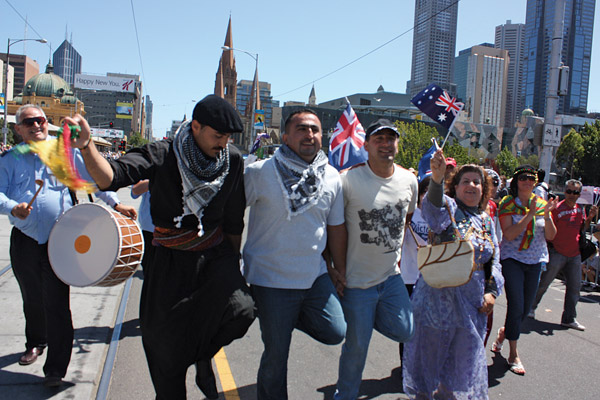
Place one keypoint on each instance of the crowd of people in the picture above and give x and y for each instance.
(334, 255)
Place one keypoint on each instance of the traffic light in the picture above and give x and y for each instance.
(110, 125)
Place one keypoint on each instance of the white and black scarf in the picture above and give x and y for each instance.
(201, 176)
(301, 182)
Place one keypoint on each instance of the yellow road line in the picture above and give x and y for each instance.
(225, 376)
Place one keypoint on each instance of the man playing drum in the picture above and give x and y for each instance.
(45, 297)
(194, 298)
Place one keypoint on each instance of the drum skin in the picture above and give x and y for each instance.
(91, 245)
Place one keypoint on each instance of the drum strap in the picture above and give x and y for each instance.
(73, 197)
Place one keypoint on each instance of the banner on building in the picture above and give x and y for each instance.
(107, 133)
(259, 119)
(98, 82)
(124, 110)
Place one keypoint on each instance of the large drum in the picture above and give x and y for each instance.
(91, 245)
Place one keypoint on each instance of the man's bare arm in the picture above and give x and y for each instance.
(337, 244)
(97, 166)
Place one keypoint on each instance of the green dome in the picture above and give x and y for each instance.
(47, 84)
(528, 112)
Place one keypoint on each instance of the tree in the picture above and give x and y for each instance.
(531, 159)
(414, 141)
(507, 162)
(570, 152)
(590, 173)
(136, 140)
(460, 154)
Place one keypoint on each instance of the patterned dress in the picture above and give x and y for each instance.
(446, 358)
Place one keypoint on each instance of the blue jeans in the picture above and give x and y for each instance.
(385, 307)
(572, 269)
(520, 283)
(316, 311)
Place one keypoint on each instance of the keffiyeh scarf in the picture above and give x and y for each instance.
(201, 176)
(301, 182)
(509, 206)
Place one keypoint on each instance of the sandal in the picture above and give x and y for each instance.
(497, 345)
(517, 368)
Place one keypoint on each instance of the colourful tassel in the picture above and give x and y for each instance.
(57, 155)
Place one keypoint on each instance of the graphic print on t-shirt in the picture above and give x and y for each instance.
(383, 227)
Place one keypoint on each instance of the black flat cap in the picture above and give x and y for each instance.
(218, 114)
(380, 125)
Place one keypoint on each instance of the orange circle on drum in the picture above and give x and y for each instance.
(82, 244)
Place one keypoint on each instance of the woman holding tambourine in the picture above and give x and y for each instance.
(526, 226)
(446, 358)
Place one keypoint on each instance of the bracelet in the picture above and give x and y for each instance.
(87, 144)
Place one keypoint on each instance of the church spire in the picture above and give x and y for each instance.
(312, 97)
(226, 78)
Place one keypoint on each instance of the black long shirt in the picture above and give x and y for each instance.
(157, 162)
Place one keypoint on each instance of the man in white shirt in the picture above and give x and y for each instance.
(296, 209)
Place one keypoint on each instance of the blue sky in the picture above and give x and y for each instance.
(180, 43)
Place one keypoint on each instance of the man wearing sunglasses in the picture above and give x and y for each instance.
(564, 253)
(45, 297)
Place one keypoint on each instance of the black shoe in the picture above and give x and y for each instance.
(205, 379)
(52, 381)
(31, 355)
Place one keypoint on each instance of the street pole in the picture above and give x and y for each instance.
(5, 85)
(256, 94)
(552, 92)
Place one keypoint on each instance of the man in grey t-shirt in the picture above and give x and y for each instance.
(379, 197)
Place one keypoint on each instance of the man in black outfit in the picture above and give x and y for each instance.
(194, 298)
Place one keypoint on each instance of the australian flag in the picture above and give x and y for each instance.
(425, 163)
(346, 147)
(438, 105)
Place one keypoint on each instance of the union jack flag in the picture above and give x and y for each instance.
(438, 105)
(346, 147)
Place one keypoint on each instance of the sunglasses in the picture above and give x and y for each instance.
(575, 192)
(524, 178)
(33, 120)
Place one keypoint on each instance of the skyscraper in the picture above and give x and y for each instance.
(511, 37)
(434, 44)
(576, 53)
(244, 91)
(148, 131)
(24, 69)
(67, 62)
(485, 94)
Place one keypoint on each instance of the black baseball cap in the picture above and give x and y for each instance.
(380, 125)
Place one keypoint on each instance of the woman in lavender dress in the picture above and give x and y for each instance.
(446, 358)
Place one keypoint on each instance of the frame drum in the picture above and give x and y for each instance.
(91, 245)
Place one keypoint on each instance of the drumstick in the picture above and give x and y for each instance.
(41, 184)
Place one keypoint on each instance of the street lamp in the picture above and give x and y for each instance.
(5, 127)
(257, 93)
